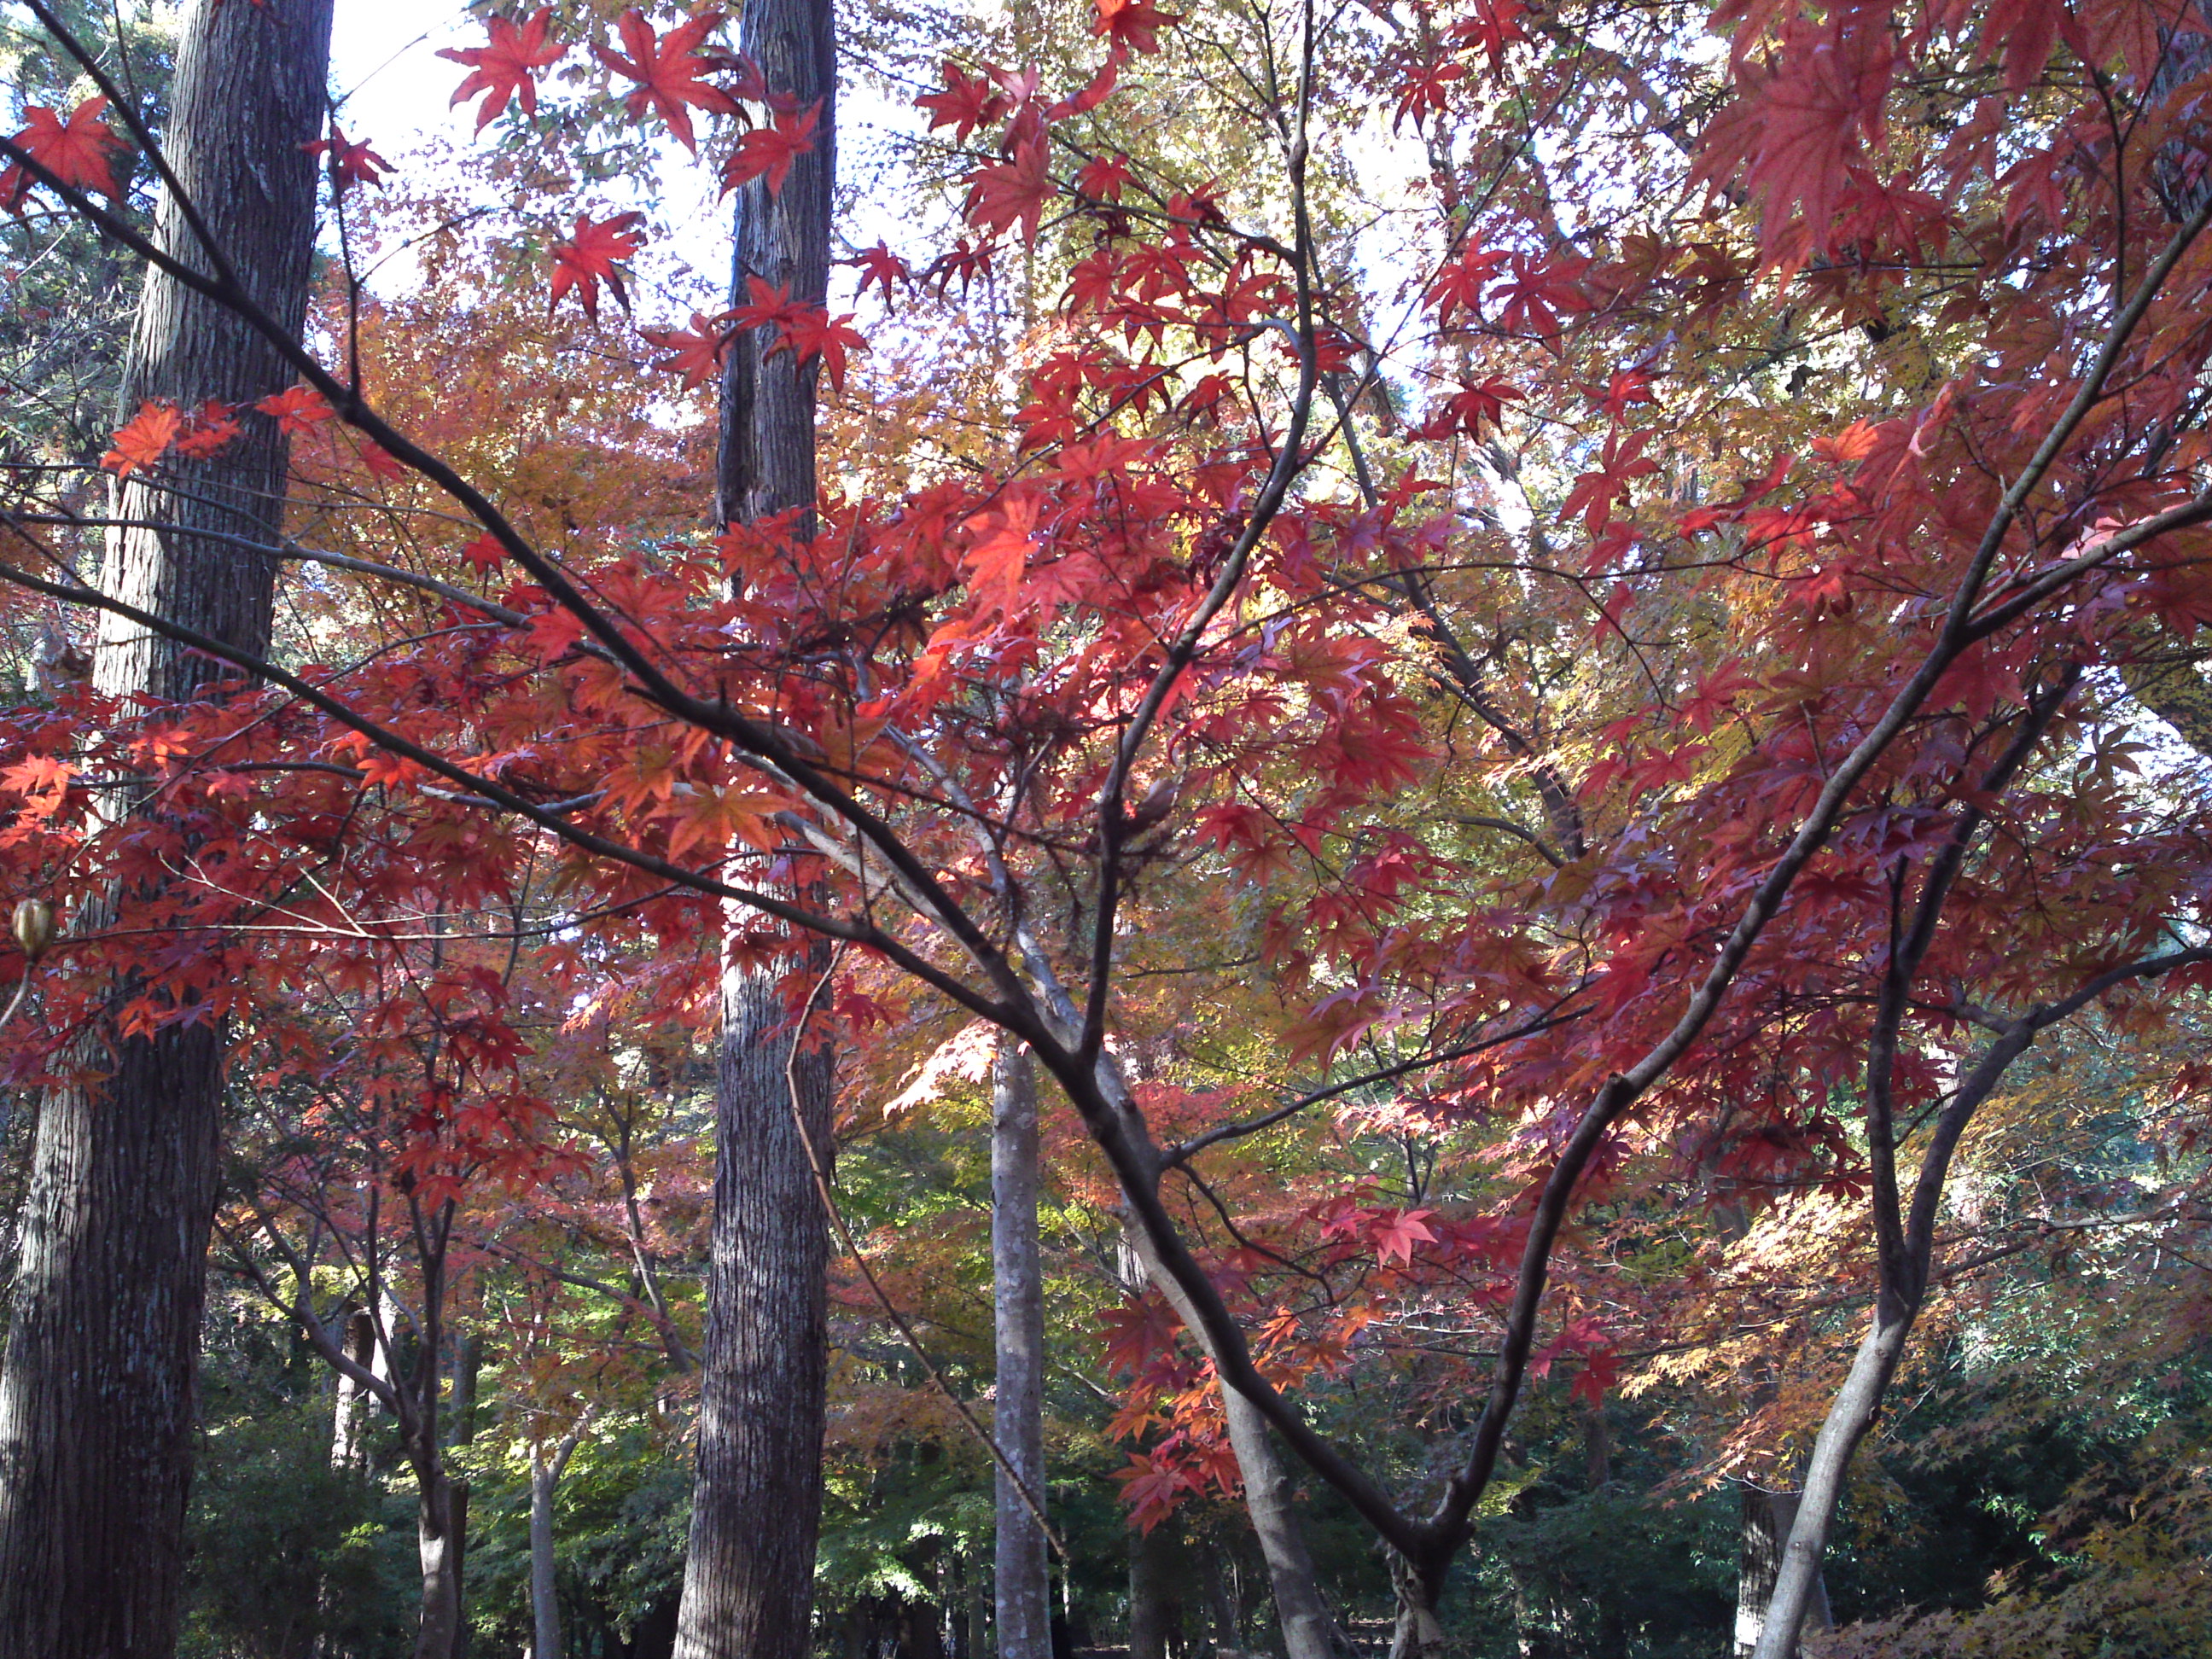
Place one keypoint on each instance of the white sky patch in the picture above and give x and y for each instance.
(393, 88)
(395, 93)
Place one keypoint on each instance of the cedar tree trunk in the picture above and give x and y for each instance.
(757, 1503)
(96, 1398)
(1024, 1592)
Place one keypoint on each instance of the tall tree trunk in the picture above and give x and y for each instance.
(544, 1603)
(441, 1530)
(1852, 1414)
(545, 1472)
(764, 465)
(1221, 1610)
(96, 1397)
(756, 1505)
(1767, 1518)
(1024, 1591)
(1309, 1628)
(1155, 1611)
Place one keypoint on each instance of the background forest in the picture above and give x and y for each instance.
(1372, 828)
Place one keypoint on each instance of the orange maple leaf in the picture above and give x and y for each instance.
(209, 431)
(507, 67)
(298, 410)
(1134, 24)
(997, 556)
(145, 440)
(75, 151)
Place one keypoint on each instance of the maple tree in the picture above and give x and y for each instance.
(1630, 644)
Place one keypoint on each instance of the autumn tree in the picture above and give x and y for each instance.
(1627, 767)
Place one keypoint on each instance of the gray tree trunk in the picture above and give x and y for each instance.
(1155, 1614)
(1767, 1518)
(348, 1427)
(1309, 1628)
(1024, 1581)
(1798, 1582)
(97, 1396)
(544, 1601)
(441, 1517)
(545, 1474)
(757, 1503)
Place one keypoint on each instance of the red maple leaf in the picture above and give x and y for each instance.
(1802, 125)
(1495, 26)
(698, 351)
(145, 440)
(769, 151)
(804, 330)
(75, 151)
(810, 331)
(1459, 285)
(1003, 194)
(1471, 409)
(1104, 177)
(768, 305)
(299, 410)
(1593, 492)
(667, 69)
(381, 462)
(749, 85)
(350, 164)
(880, 265)
(1151, 1488)
(1394, 1233)
(1093, 93)
(998, 555)
(507, 67)
(589, 258)
(1425, 90)
(965, 104)
(1134, 24)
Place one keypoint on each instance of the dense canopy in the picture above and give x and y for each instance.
(912, 830)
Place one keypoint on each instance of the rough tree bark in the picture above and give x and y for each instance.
(1024, 1582)
(97, 1396)
(1766, 1519)
(757, 1503)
